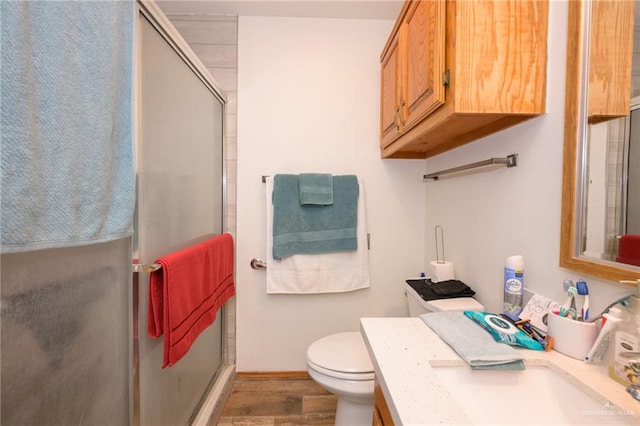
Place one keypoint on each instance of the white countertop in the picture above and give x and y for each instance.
(404, 352)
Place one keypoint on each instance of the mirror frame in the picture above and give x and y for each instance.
(574, 133)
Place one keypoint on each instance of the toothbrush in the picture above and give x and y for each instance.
(583, 290)
(565, 309)
(573, 312)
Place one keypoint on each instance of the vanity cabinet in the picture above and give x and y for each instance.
(610, 59)
(455, 71)
(381, 414)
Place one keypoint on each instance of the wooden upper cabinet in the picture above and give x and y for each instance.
(412, 68)
(466, 69)
(610, 59)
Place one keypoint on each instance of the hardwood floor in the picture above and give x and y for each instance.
(277, 399)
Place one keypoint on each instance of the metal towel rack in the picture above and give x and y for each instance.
(144, 268)
(491, 163)
(151, 267)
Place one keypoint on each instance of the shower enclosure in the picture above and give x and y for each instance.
(74, 348)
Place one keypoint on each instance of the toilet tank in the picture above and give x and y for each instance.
(419, 306)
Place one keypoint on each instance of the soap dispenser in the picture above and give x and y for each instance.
(624, 366)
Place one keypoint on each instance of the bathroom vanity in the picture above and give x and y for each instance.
(424, 382)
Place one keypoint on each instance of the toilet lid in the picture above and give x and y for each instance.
(341, 353)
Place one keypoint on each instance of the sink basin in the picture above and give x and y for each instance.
(535, 396)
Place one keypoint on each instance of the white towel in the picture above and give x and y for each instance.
(318, 273)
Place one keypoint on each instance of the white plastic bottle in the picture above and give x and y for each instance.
(513, 286)
(598, 351)
(626, 338)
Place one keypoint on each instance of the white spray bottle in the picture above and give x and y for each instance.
(599, 349)
(626, 341)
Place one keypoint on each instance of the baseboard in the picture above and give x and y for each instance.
(271, 375)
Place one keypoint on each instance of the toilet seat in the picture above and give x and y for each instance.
(343, 356)
(341, 374)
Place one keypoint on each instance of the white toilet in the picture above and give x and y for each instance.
(340, 362)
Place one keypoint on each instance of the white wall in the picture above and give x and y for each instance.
(308, 100)
(489, 216)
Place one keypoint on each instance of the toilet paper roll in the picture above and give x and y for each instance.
(441, 271)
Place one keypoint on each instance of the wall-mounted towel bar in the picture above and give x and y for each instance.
(257, 264)
(143, 268)
(490, 164)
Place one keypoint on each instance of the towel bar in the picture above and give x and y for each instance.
(143, 268)
(257, 264)
(508, 161)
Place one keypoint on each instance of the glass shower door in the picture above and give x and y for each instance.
(179, 203)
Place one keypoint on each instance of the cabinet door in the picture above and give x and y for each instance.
(390, 96)
(377, 420)
(381, 413)
(424, 38)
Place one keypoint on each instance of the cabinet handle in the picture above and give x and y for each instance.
(398, 117)
(399, 113)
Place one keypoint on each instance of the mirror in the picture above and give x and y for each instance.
(611, 208)
(590, 224)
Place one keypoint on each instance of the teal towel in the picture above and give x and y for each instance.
(472, 342)
(67, 173)
(315, 189)
(314, 229)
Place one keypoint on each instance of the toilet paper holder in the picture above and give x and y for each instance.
(440, 270)
(435, 230)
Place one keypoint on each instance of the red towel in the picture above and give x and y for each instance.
(629, 250)
(186, 293)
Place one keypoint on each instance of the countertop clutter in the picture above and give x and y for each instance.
(406, 353)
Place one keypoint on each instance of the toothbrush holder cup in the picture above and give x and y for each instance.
(572, 338)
